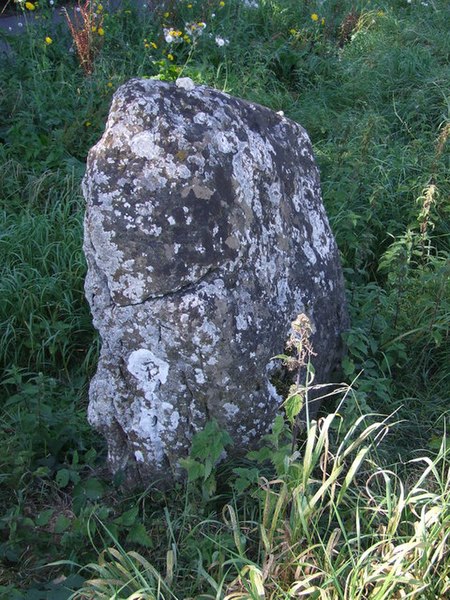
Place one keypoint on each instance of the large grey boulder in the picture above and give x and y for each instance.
(205, 237)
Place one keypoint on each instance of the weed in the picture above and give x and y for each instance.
(86, 28)
(208, 447)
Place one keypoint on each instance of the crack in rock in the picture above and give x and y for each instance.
(188, 287)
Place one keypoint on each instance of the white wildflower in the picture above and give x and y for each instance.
(220, 41)
(172, 35)
(195, 29)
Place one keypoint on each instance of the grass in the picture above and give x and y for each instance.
(330, 524)
(348, 515)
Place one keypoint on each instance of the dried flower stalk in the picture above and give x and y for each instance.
(84, 28)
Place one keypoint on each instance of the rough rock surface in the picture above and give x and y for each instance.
(205, 237)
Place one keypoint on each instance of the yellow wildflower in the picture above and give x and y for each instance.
(170, 35)
(30, 6)
(87, 124)
(187, 39)
(109, 84)
(292, 31)
(101, 31)
(48, 40)
(315, 17)
(146, 45)
(189, 5)
(222, 3)
(153, 45)
(99, 8)
(93, 28)
(323, 21)
(166, 15)
(170, 56)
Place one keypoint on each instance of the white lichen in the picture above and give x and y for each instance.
(185, 83)
(147, 368)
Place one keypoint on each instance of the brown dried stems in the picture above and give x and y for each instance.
(84, 27)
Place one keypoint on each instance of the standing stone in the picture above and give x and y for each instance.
(205, 236)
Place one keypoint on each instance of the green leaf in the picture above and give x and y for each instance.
(28, 522)
(62, 478)
(282, 357)
(91, 489)
(90, 456)
(436, 442)
(245, 478)
(195, 470)
(293, 406)
(44, 517)
(437, 337)
(113, 531)
(261, 455)
(74, 476)
(62, 523)
(127, 518)
(75, 459)
(278, 426)
(138, 535)
(102, 512)
(41, 472)
(348, 366)
(209, 464)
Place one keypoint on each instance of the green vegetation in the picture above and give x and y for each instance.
(359, 508)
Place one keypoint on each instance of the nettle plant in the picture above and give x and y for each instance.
(298, 361)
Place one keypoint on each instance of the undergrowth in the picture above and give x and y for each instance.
(369, 82)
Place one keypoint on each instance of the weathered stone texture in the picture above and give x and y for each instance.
(205, 236)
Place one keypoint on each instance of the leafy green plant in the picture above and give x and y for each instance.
(208, 446)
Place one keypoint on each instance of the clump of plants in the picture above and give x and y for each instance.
(329, 522)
